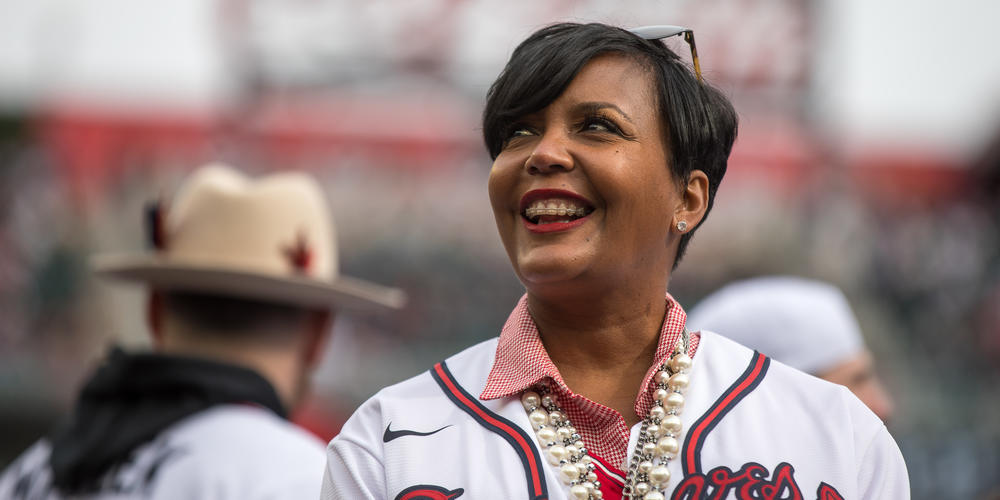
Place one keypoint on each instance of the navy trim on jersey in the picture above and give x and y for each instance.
(745, 384)
(518, 439)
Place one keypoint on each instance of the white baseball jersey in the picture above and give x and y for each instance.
(238, 452)
(753, 428)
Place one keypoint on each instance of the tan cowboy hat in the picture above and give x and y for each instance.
(269, 239)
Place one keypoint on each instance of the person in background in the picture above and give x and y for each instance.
(243, 286)
(803, 323)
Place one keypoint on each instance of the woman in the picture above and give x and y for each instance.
(607, 155)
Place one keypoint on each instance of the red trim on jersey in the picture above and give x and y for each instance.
(527, 451)
(612, 479)
(746, 383)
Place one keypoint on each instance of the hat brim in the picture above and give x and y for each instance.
(343, 292)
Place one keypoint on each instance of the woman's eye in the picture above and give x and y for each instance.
(600, 125)
(517, 132)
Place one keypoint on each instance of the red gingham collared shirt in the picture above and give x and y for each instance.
(521, 362)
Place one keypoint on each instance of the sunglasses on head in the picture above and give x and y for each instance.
(662, 31)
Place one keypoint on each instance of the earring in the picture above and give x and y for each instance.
(682, 226)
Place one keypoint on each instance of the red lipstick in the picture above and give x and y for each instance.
(552, 227)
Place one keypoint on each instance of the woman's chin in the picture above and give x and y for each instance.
(550, 271)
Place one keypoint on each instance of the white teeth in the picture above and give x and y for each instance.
(560, 207)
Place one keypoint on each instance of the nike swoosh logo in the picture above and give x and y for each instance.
(391, 434)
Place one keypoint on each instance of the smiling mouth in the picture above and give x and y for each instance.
(554, 210)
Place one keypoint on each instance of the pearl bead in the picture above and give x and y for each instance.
(557, 453)
(660, 394)
(645, 466)
(572, 430)
(546, 435)
(653, 495)
(572, 450)
(591, 476)
(641, 488)
(653, 430)
(555, 417)
(679, 381)
(579, 491)
(579, 444)
(582, 469)
(662, 377)
(648, 448)
(563, 433)
(569, 472)
(659, 475)
(538, 417)
(547, 401)
(530, 399)
(586, 459)
(598, 494)
(680, 363)
(671, 423)
(667, 446)
(657, 412)
(675, 401)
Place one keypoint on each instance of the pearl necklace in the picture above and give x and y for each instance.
(658, 442)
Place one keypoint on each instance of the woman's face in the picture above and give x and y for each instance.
(582, 190)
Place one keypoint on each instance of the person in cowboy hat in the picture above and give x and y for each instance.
(243, 284)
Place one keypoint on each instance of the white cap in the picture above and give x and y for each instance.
(805, 324)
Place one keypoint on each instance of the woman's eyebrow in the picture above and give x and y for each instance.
(592, 107)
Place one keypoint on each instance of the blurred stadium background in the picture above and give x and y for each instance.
(869, 155)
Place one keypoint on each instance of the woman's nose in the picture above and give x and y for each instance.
(549, 155)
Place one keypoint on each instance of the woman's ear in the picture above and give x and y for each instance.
(692, 204)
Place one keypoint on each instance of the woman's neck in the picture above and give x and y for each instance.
(602, 347)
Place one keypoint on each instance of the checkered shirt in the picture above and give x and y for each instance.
(522, 362)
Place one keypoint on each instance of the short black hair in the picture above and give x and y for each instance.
(700, 121)
(232, 316)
